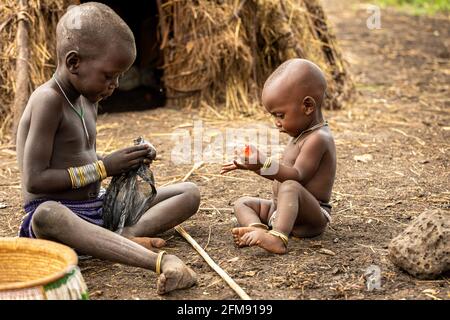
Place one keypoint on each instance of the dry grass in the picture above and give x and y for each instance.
(42, 17)
(217, 53)
(220, 54)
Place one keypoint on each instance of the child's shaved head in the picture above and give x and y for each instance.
(300, 75)
(89, 29)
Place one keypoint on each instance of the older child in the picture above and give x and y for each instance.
(304, 177)
(60, 170)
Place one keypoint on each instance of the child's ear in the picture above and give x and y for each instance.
(72, 61)
(309, 105)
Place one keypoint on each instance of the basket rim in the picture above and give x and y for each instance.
(39, 244)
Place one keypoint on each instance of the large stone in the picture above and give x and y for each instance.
(423, 249)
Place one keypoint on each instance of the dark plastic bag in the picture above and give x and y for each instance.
(125, 199)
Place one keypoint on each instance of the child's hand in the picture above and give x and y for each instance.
(247, 158)
(151, 154)
(126, 159)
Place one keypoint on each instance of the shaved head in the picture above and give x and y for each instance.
(299, 77)
(90, 29)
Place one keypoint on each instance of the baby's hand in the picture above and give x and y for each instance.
(246, 158)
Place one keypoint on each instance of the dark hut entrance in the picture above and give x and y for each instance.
(141, 87)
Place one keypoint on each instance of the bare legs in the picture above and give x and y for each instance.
(298, 213)
(173, 205)
(250, 210)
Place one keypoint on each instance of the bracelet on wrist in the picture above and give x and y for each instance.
(87, 174)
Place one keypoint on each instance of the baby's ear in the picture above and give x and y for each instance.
(309, 105)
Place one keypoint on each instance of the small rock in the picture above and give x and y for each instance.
(430, 291)
(365, 158)
(423, 248)
(335, 240)
(316, 245)
(96, 293)
(3, 205)
(327, 252)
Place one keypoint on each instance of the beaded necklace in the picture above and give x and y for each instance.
(80, 113)
(317, 126)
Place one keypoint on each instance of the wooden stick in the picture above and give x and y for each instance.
(163, 27)
(241, 293)
(195, 167)
(167, 183)
(214, 208)
(22, 75)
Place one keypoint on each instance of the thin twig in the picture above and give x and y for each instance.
(209, 238)
(241, 293)
(214, 208)
(196, 166)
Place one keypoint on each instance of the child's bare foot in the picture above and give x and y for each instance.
(175, 275)
(239, 232)
(265, 240)
(149, 243)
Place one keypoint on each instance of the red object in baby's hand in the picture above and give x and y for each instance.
(247, 151)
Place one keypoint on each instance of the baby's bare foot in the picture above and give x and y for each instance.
(149, 243)
(265, 240)
(175, 275)
(239, 232)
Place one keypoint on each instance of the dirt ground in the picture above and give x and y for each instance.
(399, 123)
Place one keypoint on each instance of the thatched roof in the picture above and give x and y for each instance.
(216, 53)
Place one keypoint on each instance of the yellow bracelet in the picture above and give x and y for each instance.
(259, 225)
(280, 235)
(87, 174)
(158, 261)
(98, 169)
(80, 174)
(72, 178)
(104, 174)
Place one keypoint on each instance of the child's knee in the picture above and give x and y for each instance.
(290, 186)
(191, 195)
(46, 218)
(243, 201)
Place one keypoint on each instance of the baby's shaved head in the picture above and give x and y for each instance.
(300, 75)
(89, 28)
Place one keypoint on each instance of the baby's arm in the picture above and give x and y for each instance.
(45, 118)
(305, 165)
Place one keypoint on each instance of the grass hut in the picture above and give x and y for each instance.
(211, 54)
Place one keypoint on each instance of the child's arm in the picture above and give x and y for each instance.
(45, 119)
(38, 176)
(305, 165)
(303, 169)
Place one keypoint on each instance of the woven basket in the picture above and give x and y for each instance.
(39, 269)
